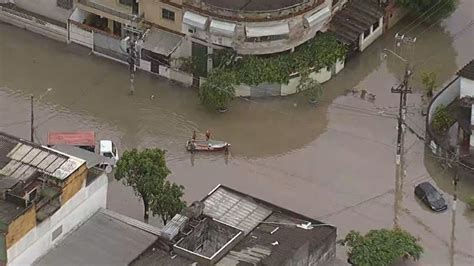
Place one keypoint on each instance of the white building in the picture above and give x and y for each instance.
(466, 75)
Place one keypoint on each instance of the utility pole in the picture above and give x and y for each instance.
(403, 89)
(455, 197)
(32, 117)
(131, 61)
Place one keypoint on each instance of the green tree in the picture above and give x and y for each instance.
(435, 9)
(442, 120)
(218, 90)
(146, 171)
(429, 81)
(381, 247)
(167, 201)
(470, 202)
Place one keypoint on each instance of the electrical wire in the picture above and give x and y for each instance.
(432, 13)
(420, 16)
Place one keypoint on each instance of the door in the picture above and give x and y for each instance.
(117, 28)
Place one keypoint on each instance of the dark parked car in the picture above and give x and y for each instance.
(430, 197)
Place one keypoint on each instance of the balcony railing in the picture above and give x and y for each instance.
(124, 14)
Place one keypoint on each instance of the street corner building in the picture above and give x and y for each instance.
(44, 195)
(457, 98)
(227, 227)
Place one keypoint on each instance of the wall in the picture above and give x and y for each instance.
(450, 92)
(393, 14)
(374, 34)
(21, 226)
(299, 32)
(72, 214)
(467, 87)
(152, 10)
(33, 24)
(74, 183)
(47, 8)
(318, 252)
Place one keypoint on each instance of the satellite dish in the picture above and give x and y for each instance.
(108, 169)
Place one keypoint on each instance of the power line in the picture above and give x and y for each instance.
(432, 13)
(420, 16)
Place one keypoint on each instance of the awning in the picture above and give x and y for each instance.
(222, 28)
(260, 31)
(195, 20)
(318, 17)
(161, 42)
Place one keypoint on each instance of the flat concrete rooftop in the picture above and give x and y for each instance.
(253, 5)
(104, 239)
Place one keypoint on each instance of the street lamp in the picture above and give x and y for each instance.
(32, 97)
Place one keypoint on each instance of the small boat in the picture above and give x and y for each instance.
(203, 145)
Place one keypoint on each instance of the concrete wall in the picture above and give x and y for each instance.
(80, 35)
(153, 13)
(77, 210)
(374, 34)
(467, 87)
(47, 8)
(33, 24)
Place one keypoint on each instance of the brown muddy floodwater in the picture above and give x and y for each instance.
(334, 162)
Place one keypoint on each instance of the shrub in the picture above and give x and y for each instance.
(442, 120)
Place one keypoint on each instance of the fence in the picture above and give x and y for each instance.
(108, 45)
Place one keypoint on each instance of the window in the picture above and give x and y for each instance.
(267, 38)
(366, 33)
(376, 25)
(66, 4)
(167, 14)
(126, 2)
(57, 232)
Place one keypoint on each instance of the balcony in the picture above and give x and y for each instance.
(111, 9)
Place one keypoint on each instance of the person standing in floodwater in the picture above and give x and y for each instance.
(208, 135)
(194, 135)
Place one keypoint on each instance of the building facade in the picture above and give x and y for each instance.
(45, 194)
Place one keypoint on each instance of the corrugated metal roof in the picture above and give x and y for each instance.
(261, 31)
(195, 20)
(72, 138)
(23, 159)
(238, 211)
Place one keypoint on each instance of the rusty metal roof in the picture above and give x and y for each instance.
(86, 138)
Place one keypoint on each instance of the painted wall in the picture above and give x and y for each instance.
(467, 87)
(47, 8)
(73, 184)
(374, 34)
(153, 9)
(72, 214)
(21, 226)
(32, 24)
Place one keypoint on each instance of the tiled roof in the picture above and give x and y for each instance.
(467, 71)
(356, 17)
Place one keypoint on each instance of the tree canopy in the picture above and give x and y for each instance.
(432, 9)
(381, 247)
(146, 171)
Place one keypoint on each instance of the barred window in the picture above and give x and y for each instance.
(66, 4)
(167, 14)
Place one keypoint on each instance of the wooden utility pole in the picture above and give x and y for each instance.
(32, 117)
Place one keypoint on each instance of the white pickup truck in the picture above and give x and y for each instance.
(86, 140)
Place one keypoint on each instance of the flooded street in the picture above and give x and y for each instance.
(334, 162)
